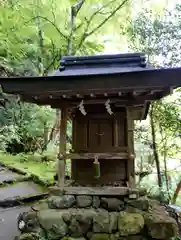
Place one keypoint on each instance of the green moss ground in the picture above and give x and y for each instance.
(31, 165)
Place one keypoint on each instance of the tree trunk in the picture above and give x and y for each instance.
(154, 145)
(45, 137)
(140, 170)
(176, 192)
(164, 141)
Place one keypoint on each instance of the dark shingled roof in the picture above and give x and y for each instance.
(125, 78)
(101, 64)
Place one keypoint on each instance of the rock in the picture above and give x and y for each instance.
(143, 192)
(100, 236)
(130, 209)
(130, 223)
(75, 228)
(70, 238)
(101, 221)
(81, 222)
(29, 236)
(78, 229)
(41, 205)
(28, 222)
(160, 225)
(61, 202)
(84, 201)
(96, 202)
(134, 238)
(114, 236)
(142, 203)
(52, 222)
(113, 222)
(84, 215)
(89, 235)
(67, 216)
(55, 191)
(112, 204)
(117, 237)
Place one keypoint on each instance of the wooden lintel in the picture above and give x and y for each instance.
(98, 191)
(93, 155)
(118, 102)
(57, 101)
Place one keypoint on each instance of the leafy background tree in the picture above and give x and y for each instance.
(158, 35)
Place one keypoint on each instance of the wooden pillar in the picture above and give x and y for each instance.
(62, 146)
(116, 132)
(130, 144)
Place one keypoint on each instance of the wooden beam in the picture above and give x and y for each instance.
(62, 146)
(100, 91)
(92, 156)
(58, 102)
(98, 191)
(130, 144)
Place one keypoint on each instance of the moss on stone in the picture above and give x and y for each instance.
(101, 221)
(52, 222)
(130, 223)
(71, 238)
(100, 236)
(160, 225)
(29, 236)
(142, 203)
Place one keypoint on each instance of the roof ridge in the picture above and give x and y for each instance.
(136, 59)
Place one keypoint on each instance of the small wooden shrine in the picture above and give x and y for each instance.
(102, 96)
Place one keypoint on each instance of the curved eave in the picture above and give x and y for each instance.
(148, 79)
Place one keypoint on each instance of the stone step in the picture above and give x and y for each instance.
(8, 221)
(7, 176)
(18, 193)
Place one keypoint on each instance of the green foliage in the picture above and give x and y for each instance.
(35, 34)
(24, 125)
(158, 36)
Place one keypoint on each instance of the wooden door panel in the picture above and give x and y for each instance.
(80, 135)
(93, 140)
(99, 133)
(121, 132)
(106, 134)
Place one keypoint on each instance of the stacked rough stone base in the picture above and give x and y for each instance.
(69, 217)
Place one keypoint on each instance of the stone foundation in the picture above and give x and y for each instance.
(88, 217)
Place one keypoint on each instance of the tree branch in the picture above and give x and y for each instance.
(53, 24)
(85, 35)
(109, 17)
(51, 64)
(74, 11)
(90, 20)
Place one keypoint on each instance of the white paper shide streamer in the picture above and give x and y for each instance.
(108, 107)
(81, 108)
